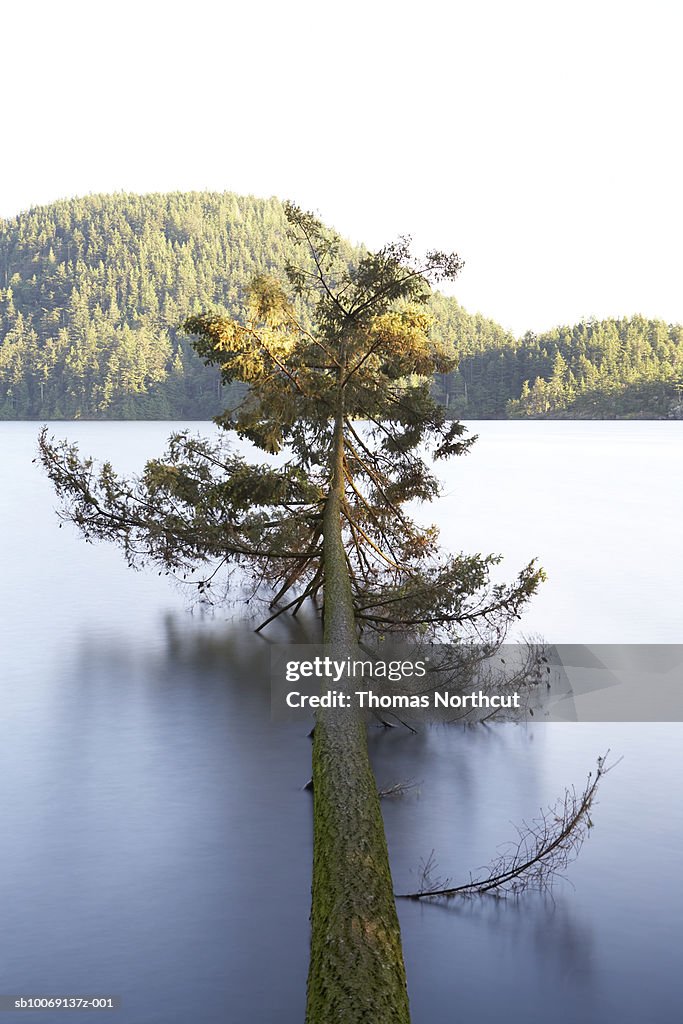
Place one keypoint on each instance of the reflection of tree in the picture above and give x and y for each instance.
(562, 945)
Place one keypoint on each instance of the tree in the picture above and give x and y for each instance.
(349, 400)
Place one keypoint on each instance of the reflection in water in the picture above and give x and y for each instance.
(562, 943)
(514, 960)
(156, 842)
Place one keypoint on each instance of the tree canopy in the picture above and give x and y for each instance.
(364, 370)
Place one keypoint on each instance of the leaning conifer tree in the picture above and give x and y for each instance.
(349, 400)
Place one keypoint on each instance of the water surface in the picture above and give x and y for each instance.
(156, 841)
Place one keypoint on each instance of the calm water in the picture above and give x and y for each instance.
(155, 842)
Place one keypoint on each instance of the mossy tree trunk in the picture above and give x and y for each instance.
(356, 968)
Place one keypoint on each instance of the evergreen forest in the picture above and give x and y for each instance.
(93, 292)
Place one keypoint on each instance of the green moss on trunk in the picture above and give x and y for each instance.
(356, 968)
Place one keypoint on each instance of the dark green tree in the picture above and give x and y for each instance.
(348, 401)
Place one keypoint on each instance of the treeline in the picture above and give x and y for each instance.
(93, 290)
(629, 368)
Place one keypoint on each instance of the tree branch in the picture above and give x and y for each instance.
(538, 857)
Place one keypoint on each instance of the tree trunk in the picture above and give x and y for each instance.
(356, 971)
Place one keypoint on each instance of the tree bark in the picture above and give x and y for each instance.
(356, 971)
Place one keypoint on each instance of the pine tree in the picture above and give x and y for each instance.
(349, 398)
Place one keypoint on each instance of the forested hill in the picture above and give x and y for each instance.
(600, 369)
(92, 292)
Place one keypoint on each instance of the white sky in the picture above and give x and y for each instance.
(540, 140)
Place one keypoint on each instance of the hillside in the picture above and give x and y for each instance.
(629, 368)
(92, 292)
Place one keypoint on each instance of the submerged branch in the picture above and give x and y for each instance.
(542, 851)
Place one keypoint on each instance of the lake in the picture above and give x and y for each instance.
(156, 840)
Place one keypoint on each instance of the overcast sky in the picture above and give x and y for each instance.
(541, 141)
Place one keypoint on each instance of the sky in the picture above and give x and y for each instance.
(539, 140)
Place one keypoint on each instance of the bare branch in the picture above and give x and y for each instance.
(398, 789)
(540, 854)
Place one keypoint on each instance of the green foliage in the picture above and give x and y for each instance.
(609, 369)
(93, 292)
(348, 394)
